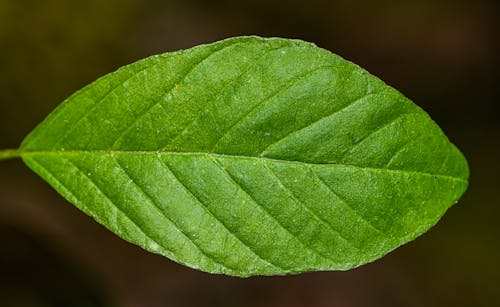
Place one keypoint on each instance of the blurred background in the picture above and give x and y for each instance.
(441, 54)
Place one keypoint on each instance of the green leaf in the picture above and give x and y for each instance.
(250, 156)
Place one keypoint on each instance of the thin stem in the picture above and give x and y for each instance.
(9, 154)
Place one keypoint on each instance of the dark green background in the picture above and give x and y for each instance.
(441, 54)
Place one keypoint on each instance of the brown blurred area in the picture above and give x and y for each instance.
(441, 54)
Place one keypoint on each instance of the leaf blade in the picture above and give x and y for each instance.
(212, 180)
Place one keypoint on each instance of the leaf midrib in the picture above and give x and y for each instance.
(229, 156)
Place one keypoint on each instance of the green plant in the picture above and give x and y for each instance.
(250, 156)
